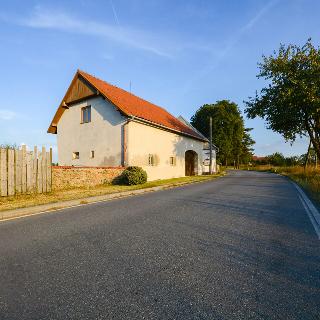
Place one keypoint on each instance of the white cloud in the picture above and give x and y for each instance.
(7, 115)
(62, 21)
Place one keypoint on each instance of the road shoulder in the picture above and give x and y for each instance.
(60, 205)
(310, 208)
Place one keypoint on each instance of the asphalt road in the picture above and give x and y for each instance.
(240, 247)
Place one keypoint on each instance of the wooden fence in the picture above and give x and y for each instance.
(23, 171)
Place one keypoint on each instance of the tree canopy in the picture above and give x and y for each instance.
(229, 133)
(290, 102)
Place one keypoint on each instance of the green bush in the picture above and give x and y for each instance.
(132, 176)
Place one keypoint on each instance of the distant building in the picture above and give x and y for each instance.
(259, 159)
(98, 124)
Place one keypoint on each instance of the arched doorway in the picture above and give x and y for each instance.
(191, 163)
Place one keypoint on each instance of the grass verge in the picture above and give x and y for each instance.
(29, 200)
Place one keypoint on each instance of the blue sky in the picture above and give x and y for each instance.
(177, 54)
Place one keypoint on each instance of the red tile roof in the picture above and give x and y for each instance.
(258, 158)
(132, 105)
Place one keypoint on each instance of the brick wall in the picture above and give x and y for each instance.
(72, 177)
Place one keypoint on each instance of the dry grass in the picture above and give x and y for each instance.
(309, 179)
(22, 201)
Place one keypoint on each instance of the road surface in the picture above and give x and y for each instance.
(240, 247)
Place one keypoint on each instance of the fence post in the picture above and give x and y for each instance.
(35, 169)
(24, 169)
(29, 171)
(39, 178)
(3, 172)
(10, 172)
(18, 169)
(44, 170)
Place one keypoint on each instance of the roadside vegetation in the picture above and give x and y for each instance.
(230, 136)
(29, 200)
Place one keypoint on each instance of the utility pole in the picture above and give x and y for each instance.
(210, 165)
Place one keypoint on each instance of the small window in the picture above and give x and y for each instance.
(151, 160)
(172, 161)
(75, 155)
(92, 154)
(86, 114)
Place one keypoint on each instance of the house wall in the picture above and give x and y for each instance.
(143, 140)
(103, 135)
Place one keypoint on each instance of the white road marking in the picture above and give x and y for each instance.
(311, 210)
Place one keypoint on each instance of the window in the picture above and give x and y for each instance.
(92, 154)
(75, 155)
(172, 161)
(86, 114)
(151, 160)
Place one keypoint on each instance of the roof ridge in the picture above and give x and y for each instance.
(110, 84)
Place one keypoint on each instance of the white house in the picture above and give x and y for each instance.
(100, 125)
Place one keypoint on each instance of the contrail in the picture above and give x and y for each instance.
(114, 13)
(249, 25)
(234, 40)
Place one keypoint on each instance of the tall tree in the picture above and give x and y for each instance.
(247, 146)
(290, 102)
(227, 126)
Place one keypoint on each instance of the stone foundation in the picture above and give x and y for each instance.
(74, 177)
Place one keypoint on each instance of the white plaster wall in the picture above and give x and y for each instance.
(102, 135)
(143, 140)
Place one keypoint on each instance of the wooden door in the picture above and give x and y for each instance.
(189, 163)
